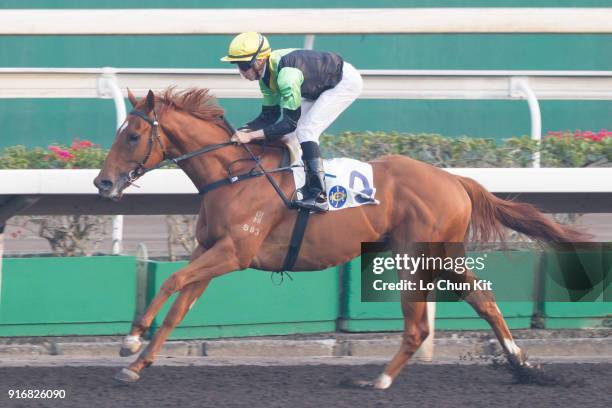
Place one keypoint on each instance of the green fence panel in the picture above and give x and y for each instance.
(595, 308)
(359, 316)
(67, 296)
(512, 271)
(250, 303)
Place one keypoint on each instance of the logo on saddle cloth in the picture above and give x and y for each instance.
(337, 196)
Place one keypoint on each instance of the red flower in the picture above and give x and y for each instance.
(61, 154)
(81, 144)
(603, 133)
(582, 135)
(65, 155)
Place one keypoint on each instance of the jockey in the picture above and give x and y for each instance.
(311, 88)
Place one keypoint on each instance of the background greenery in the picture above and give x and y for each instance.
(557, 149)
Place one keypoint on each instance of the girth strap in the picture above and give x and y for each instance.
(296, 239)
(244, 176)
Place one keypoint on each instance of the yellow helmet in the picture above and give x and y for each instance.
(248, 47)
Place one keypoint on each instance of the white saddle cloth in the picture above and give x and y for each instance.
(350, 183)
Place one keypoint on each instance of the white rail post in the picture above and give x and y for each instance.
(109, 88)
(309, 41)
(519, 88)
(117, 235)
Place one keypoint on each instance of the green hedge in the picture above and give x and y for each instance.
(81, 154)
(558, 149)
(565, 149)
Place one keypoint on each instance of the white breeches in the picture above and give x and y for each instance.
(319, 114)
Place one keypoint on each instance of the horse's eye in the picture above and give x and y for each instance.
(133, 137)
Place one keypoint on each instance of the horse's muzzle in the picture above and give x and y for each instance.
(108, 189)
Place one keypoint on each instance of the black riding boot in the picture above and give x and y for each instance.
(314, 192)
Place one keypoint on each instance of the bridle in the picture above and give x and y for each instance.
(154, 123)
(140, 168)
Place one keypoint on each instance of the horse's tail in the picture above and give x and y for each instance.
(490, 214)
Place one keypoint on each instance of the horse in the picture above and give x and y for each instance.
(417, 203)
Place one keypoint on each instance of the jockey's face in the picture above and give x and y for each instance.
(253, 73)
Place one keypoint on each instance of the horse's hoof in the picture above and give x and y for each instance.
(126, 352)
(131, 345)
(127, 376)
(383, 382)
(347, 382)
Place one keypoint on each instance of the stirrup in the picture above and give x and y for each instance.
(312, 203)
(314, 207)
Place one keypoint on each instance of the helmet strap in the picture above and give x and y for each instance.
(261, 43)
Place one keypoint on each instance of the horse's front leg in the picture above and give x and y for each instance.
(191, 281)
(132, 343)
(177, 312)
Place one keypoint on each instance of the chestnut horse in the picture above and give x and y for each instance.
(418, 203)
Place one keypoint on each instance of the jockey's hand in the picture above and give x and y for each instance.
(244, 136)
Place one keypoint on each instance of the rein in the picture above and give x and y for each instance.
(140, 169)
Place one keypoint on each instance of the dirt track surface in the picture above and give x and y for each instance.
(309, 386)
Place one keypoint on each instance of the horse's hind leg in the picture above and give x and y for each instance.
(484, 304)
(416, 330)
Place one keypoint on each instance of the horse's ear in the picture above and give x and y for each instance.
(132, 98)
(150, 101)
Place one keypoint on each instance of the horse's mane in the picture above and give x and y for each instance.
(195, 101)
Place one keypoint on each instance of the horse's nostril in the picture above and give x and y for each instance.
(105, 184)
